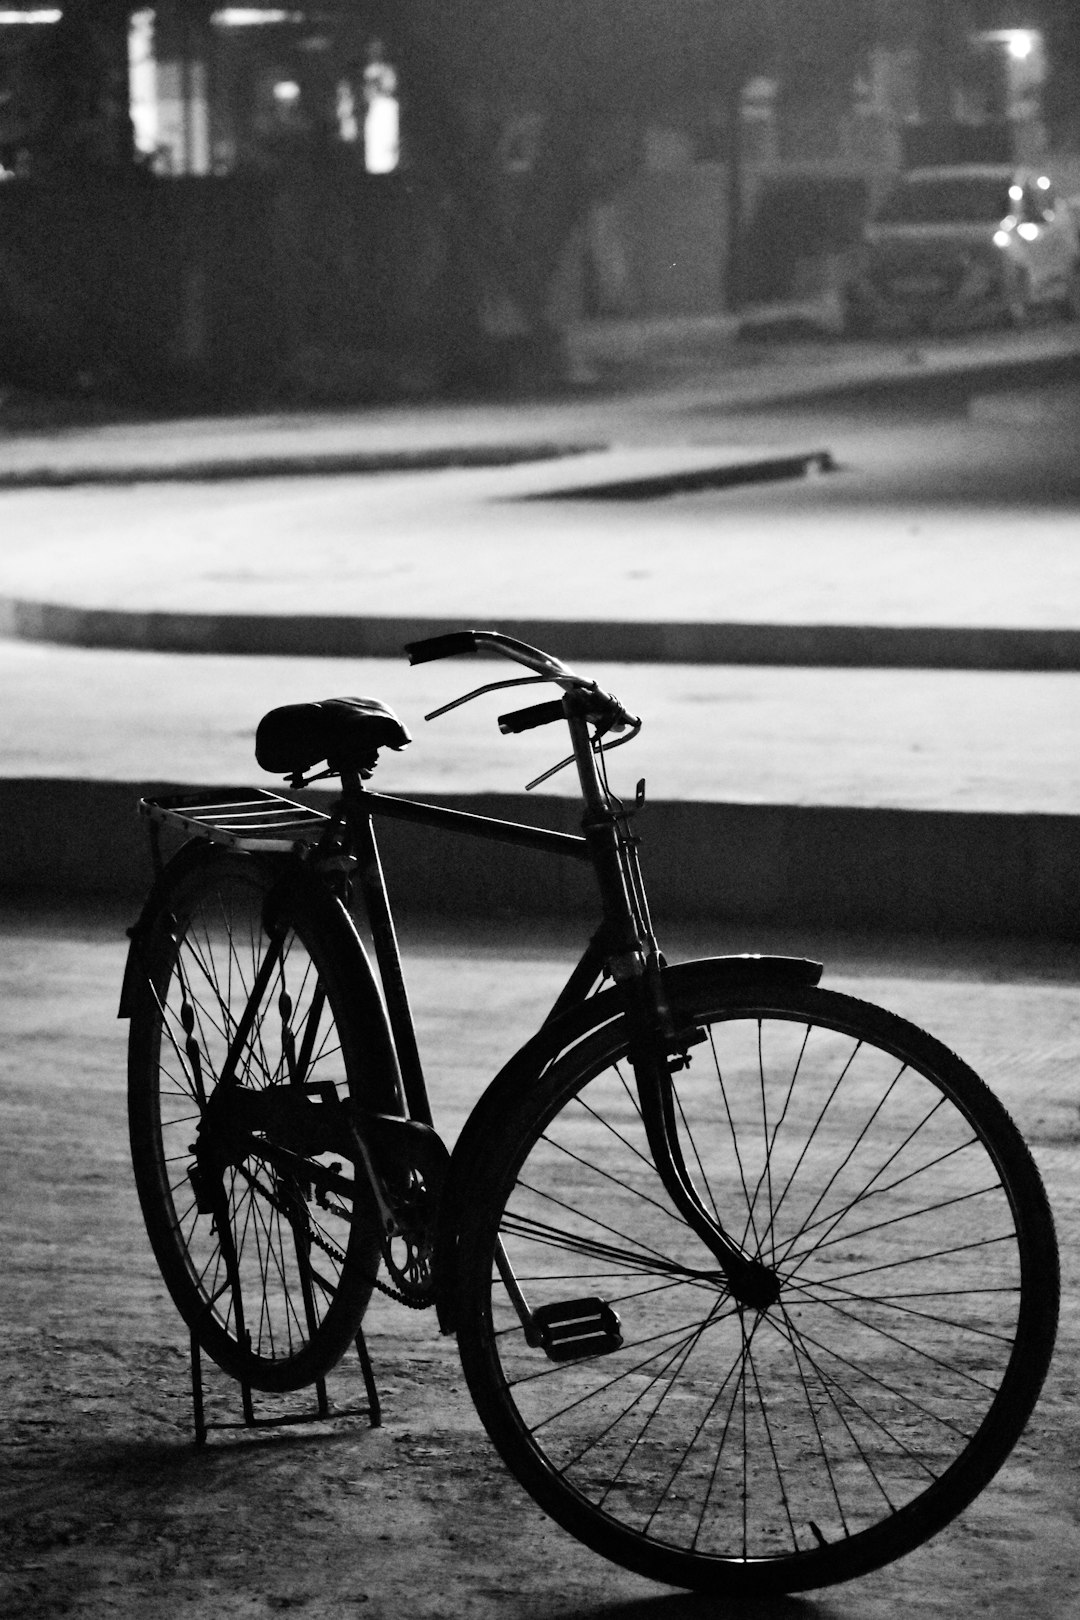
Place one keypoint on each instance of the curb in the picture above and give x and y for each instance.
(946, 873)
(289, 465)
(579, 640)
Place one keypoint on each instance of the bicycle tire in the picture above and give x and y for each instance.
(273, 1283)
(747, 1452)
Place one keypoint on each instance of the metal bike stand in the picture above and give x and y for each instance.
(372, 1411)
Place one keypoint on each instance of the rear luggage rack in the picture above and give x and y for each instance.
(243, 818)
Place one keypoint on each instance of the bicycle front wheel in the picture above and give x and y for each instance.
(751, 1451)
(258, 1214)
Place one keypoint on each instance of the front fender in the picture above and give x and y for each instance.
(557, 1036)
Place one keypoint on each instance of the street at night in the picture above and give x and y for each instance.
(703, 369)
(953, 509)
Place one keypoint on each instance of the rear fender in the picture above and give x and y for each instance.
(196, 852)
(557, 1036)
(190, 854)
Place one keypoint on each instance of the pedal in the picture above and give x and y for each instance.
(575, 1328)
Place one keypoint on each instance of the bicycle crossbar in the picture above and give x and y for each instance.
(473, 826)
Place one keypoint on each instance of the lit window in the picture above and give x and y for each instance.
(382, 132)
(345, 107)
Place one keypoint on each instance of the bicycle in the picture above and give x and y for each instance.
(754, 1284)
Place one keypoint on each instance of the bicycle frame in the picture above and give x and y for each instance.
(624, 947)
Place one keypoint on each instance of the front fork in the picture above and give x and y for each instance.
(658, 1049)
(656, 1046)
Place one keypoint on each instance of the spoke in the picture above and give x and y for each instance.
(767, 1172)
(918, 1259)
(618, 1181)
(905, 1344)
(650, 1261)
(830, 1387)
(808, 1220)
(613, 1300)
(763, 1409)
(889, 1302)
(812, 1412)
(554, 1369)
(864, 1372)
(815, 1128)
(670, 1373)
(732, 1132)
(771, 1140)
(697, 1156)
(848, 1236)
(832, 1220)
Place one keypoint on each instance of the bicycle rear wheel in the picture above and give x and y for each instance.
(741, 1450)
(258, 1214)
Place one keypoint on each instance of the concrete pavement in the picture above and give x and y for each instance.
(92, 578)
(106, 1508)
(927, 816)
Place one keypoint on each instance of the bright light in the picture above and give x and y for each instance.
(249, 17)
(287, 90)
(1019, 42)
(1028, 231)
(1043, 183)
(30, 16)
(142, 79)
(1001, 239)
(1016, 193)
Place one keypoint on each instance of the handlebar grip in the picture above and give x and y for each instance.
(537, 714)
(448, 646)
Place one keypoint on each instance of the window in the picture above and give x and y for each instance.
(382, 134)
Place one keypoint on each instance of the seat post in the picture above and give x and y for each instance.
(387, 953)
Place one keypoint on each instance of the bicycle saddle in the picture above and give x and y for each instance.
(346, 732)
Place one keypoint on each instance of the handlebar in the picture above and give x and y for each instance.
(584, 699)
(457, 642)
(538, 714)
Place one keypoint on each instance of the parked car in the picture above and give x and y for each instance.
(958, 246)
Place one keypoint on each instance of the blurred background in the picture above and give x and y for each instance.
(355, 199)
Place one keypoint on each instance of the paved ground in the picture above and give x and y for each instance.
(106, 1510)
(915, 739)
(746, 375)
(186, 563)
(466, 542)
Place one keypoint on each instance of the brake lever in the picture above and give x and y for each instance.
(492, 686)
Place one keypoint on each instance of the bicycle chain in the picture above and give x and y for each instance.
(330, 1248)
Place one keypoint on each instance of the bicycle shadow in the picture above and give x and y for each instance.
(147, 1490)
(695, 1606)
